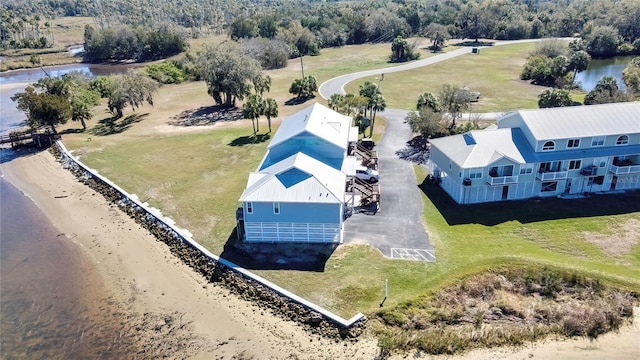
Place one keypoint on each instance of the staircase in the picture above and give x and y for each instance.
(370, 193)
(369, 157)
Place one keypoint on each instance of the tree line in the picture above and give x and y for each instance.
(132, 43)
(308, 26)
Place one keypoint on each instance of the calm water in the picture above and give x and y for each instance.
(603, 67)
(12, 82)
(53, 304)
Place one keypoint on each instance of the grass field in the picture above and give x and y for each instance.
(195, 175)
(494, 72)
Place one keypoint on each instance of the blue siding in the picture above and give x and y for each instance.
(295, 212)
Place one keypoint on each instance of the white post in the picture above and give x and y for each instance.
(386, 288)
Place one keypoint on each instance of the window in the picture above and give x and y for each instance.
(475, 173)
(526, 169)
(276, 208)
(622, 140)
(249, 208)
(573, 143)
(597, 141)
(548, 146)
(549, 186)
(575, 164)
(600, 162)
(449, 165)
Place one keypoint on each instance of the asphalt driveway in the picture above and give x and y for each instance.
(397, 228)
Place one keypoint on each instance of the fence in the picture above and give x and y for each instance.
(154, 218)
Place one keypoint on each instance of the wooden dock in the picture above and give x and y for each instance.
(37, 138)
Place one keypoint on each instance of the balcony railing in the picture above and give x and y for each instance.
(502, 180)
(625, 169)
(552, 175)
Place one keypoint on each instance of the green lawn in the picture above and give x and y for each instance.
(494, 73)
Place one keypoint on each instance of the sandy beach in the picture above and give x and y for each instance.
(175, 313)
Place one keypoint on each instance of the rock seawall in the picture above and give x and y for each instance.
(214, 271)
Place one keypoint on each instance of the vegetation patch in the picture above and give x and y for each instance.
(505, 306)
(624, 236)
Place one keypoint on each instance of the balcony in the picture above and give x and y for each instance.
(552, 175)
(502, 180)
(625, 169)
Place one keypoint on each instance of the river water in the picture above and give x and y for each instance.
(53, 304)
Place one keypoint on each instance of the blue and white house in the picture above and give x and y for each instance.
(542, 152)
(298, 192)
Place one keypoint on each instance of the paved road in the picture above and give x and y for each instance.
(336, 85)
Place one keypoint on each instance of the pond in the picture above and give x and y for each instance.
(603, 67)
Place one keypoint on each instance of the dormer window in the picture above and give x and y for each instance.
(597, 141)
(622, 140)
(549, 146)
(573, 143)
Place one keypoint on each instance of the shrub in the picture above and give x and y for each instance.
(166, 73)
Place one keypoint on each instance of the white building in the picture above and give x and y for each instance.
(543, 152)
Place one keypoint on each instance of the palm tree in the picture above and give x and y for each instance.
(262, 84)
(252, 109)
(270, 110)
(336, 101)
(376, 103)
(369, 90)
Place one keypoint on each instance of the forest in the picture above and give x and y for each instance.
(305, 27)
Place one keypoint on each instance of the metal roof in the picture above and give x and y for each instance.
(580, 121)
(317, 120)
(479, 148)
(298, 178)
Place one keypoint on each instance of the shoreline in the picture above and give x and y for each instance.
(219, 322)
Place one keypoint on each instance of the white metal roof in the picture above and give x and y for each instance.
(479, 148)
(581, 121)
(318, 120)
(298, 178)
(349, 165)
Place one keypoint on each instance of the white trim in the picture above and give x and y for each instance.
(597, 141)
(622, 140)
(574, 164)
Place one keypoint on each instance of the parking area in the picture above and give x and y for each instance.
(398, 222)
(413, 254)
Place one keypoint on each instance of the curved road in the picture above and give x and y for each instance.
(397, 229)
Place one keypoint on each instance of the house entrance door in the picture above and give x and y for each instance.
(614, 181)
(505, 192)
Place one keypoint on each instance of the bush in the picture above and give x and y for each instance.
(166, 73)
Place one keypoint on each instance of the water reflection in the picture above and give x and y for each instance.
(599, 68)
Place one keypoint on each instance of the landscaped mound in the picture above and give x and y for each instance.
(504, 307)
